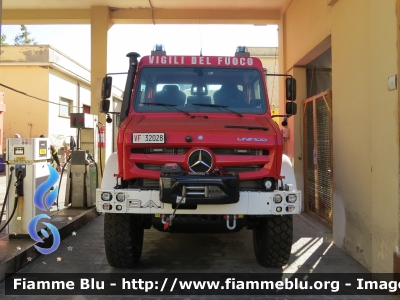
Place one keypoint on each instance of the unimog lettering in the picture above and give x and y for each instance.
(252, 139)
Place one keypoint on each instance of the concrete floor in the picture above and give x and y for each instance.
(313, 252)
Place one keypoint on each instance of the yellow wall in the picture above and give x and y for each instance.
(307, 24)
(295, 143)
(45, 73)
(384, 135)
(100, 23)
(272, 66)
(366, 161)
(365, 123)
(22, 110)
(352, 157)
(3, 109)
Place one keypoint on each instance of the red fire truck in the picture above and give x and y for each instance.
(198, 151)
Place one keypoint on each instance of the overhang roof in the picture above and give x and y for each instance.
(145, 11)
(159, 4)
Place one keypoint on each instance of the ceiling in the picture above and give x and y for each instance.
(159, 4)
(145, 11)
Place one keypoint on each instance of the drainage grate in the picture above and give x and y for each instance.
(310, 157)
(318, 156)
(324, 159)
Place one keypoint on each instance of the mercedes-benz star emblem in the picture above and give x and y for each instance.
(200, 161)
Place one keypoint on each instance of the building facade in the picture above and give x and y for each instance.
(345, 150)
(42, 86)
(269, 60)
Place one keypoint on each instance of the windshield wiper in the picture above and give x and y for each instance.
(166, 105)
(218, 106)
(247, 127)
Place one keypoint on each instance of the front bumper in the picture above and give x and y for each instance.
(135, 201)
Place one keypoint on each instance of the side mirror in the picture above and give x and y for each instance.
(106, 88)
(291, 108)
(290, 89)
(104, 106)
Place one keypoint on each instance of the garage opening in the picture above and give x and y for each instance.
(317, 143)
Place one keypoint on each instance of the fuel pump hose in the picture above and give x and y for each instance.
(19, 193)
(6, 196)
(62, 171)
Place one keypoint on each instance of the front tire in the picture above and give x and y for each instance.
(123, 239)
(272, 240)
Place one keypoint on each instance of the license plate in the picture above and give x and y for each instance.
(148, 138)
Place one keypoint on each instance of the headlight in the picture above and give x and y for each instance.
(291, 198)
(120, 197)
(119, 207)
(279, 209)
(107, 206)
(268, 184)
(290, 208)
(277, 198)
(106, 196)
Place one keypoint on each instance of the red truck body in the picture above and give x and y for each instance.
(213, 130)
(198, 151)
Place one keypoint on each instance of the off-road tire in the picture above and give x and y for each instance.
(123, 239)
(272, 240)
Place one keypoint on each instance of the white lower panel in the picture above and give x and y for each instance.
(148, 202)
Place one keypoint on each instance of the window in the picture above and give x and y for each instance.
(256, 89)
(205, 89)
(65, 107)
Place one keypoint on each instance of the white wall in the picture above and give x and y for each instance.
(65, 86)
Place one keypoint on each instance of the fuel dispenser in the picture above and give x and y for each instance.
(86, 124)
(82, 179)
(27, 163)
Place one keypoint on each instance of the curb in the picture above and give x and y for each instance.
(12, 260)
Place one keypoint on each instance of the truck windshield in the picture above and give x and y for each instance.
(240, 90)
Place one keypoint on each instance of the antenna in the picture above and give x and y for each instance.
(201, 45)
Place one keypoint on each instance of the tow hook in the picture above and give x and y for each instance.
(167, 220)
(228, 219)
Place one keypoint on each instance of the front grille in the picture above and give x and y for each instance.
(154, 183)
(237, 169)
(231, 151)
(160, 150)
(251, 185)
(216, 151)
(151, 183)
(230, 169)
(152, 167)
